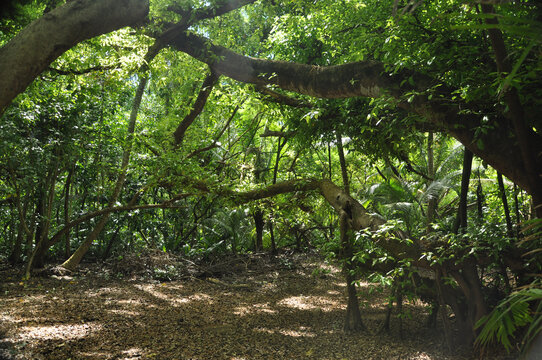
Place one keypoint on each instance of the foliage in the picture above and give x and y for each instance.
(520, 309)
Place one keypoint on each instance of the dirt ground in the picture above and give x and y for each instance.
(266, 309)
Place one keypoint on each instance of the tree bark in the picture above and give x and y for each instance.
(67, 248)
(506, 208)
(342, 160)
(432, 201)
(31, 51)
(353, 320)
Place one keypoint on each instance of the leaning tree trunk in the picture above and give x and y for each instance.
(77, 256)
(31, 51)
(74, 260)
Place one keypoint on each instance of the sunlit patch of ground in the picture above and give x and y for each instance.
(273, 314)
(57, 332)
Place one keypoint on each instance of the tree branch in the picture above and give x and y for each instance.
(82, 72)
(205, 91)
(31, 51)
(279, 98)
(272, 133)
(370, 79)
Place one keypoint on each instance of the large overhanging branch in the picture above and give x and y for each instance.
(31, 51)
(364, 78)
(370, 79)
(35, 47)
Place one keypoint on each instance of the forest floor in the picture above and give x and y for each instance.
(250, 307)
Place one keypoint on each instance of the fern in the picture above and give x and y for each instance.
(512, 313)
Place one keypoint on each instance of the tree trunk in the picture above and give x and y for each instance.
(197, 108)
(273, 243)
(432, 201)
(46, 208)
(342, 160)
(353, 320)
(461, 220)
(15, 256)
(259, 223)
(516, 113)
(504, 199)
(67, 248)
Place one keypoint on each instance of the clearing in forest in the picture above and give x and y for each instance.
(252, 307)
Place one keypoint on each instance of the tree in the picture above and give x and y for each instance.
(381, 74)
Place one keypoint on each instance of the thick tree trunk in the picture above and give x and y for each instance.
(32, 50)
(533, 170)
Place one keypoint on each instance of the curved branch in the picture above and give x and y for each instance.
(370, 79)
(205, 91)
(32, 50)
(109, 210)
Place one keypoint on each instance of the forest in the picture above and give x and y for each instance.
(270, 179)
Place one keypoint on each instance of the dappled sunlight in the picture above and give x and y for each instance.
(174, 298)
(295, 333)
(57, 332)
(133, 352)
(322, 303)
(128, 313)
(94, 354)
(254, 309)
(105, 292)
(364, 284)
(274, 315)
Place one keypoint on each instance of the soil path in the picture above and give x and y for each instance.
(293, 310)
